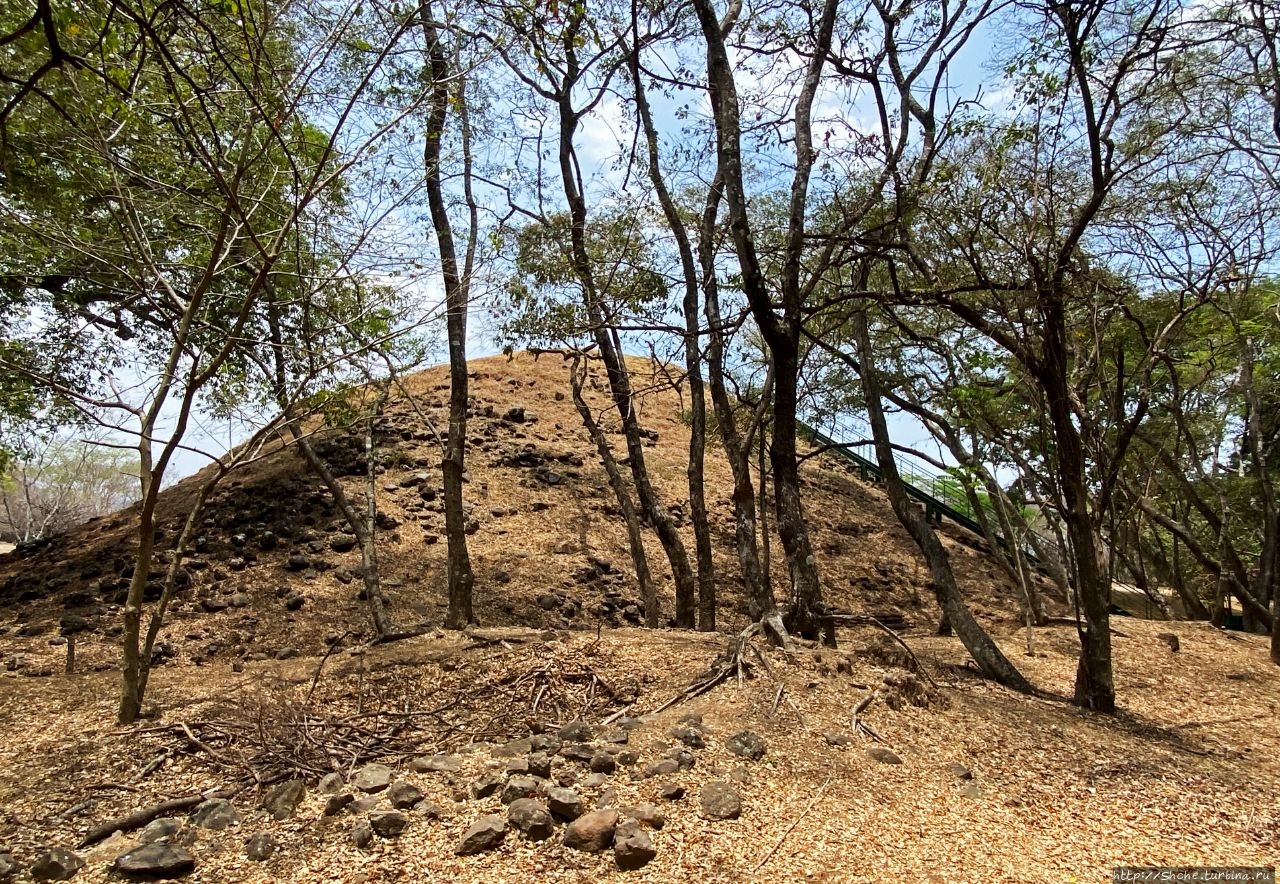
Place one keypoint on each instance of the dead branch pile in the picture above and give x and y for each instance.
(281, 730)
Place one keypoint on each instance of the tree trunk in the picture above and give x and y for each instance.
(1095, 688)
(781, 335)
(635, 539)
(359, 527)
(131, 661)
(806, 615)
(761, 603)
(156, 621)
(461, 578)
(692, 355)
(607, 341)
(990, 659)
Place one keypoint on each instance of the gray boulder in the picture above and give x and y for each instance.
(404, 796)
(283, 800)
(747, 744)
(372, 778)
(484, 834)
(389, 823)
(56, 864)
(721, 801)
(152, 861)
(532, 818)
(160, 830)
(216, 814)
(565, 804)
(632, 846)
(260, 847)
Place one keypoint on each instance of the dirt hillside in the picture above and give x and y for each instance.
(289, 751)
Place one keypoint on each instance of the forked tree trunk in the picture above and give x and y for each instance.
(692, 355)
(607, 341)
(990, 659)
(781, 334)
(635, 538)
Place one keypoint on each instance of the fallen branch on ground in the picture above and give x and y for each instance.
(791, 828)
(140, 818)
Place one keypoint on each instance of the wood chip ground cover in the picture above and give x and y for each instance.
(1187, 774)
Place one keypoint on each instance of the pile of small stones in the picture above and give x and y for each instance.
(540, 781)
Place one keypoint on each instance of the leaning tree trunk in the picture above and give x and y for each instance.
(692, 357)
(635, 539)
(362, 529)
(990, 659)
(156, 621)
(607, 341)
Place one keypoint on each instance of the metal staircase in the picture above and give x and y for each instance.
(942, 495)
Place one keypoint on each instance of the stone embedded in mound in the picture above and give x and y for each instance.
(577, 731)
(592, 832)
(577, 752)
(372, 778)
(602, 762)
(389, 823)
(883, 755)
(283, 800)
(331, 784)
(404, 796)
(260, 847)
(362, 835)
(548, 743)
(645, 813)
(532, 818)
(159, 830)
(747, 744)
(519, 787)
(484, 834)
(335, 804)
(684, 759)
(436, 764)
(538, 764)
(512, 749)
(565, 804)
(152, 861)
(721, 801)
(56, 864)
(662, 767)
(486, 785)
(216, 814)
(632, 847)
(690, 736)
